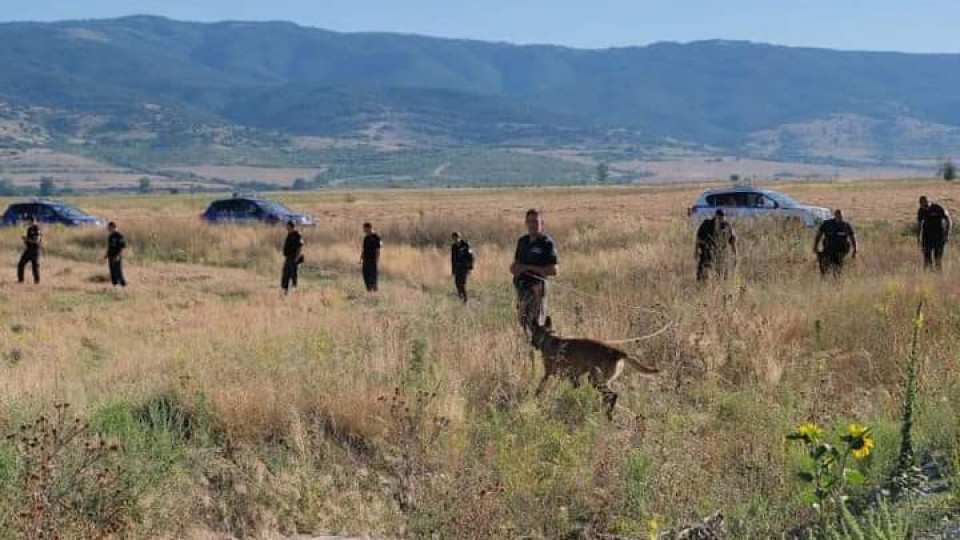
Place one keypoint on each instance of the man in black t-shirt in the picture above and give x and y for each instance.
(370, 257)
(292, 257)
(116, 243)
(32, 241)
(933, 230)
(714, 236)
(534, 262)
(461, 263)
(838, 240)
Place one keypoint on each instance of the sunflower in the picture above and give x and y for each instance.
(810, 430)
(860, 441)
(866, 445)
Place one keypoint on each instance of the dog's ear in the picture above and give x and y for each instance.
(548, 323)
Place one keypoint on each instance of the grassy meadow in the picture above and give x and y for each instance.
(237, 412)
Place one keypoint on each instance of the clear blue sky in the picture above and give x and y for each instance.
(890, 25)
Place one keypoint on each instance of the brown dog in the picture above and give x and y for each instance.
(572, 358)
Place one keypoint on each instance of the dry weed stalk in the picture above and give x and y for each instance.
(71, 486)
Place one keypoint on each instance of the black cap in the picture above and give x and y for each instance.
(720, 212)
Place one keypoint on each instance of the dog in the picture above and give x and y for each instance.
(573, 358)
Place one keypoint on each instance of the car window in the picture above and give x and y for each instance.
(247, 208)
(274, 207)
(224, 207)
(70, 212)
(729, 200)
(764, 201)
(720, 199)
(45, 211)
(18, 211)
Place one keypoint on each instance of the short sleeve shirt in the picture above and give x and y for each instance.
(537, 252)
(931, 218)
(711, 238)
(837, 235)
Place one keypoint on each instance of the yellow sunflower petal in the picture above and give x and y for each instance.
(864, 450)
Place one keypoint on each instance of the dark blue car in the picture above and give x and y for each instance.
(51, 212)
(253, 209)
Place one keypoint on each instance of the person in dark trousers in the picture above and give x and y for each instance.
(116, 243)
(461, 263)
(838, 241)
(534, 262)
(370, 257)
(32, 241)
(933, 229)
(714, 236)
(292, 257)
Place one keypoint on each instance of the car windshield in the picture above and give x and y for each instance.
(70, 212)
(273, 207)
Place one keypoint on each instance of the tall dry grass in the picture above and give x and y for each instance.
(290, 398)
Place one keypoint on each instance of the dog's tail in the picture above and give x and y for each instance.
(644, 370)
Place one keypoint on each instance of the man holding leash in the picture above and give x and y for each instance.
(534, 262)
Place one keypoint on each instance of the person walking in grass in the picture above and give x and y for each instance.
(32, 242)
(838, 240)
(292, 257)
(933, 230)
(116, 244)
(370, 257)
(461, 262)
(534, 263)
(714, 236)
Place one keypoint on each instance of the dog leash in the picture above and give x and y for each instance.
(663, 329)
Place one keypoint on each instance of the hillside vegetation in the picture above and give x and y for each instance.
(280, 77)
(236, 411)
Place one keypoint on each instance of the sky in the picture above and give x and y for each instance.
(877, 25)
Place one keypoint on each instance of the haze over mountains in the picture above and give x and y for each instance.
(152, 91)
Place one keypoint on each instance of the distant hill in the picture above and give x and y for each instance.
(271, 80)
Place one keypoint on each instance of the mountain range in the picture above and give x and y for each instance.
(154, 83)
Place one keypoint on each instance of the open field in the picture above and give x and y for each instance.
(405, 414)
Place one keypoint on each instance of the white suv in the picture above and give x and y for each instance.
(747, 202)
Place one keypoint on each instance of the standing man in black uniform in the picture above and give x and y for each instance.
(933, 229)
(32, 241)
(838, 239)
(116, 243)
(713, 237)
(461, 263)
(370, 257)
(292, 257)
(534, 262)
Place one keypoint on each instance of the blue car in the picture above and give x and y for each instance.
(51, 212)
(253, 209)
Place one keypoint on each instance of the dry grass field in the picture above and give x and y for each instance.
(241, 413)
